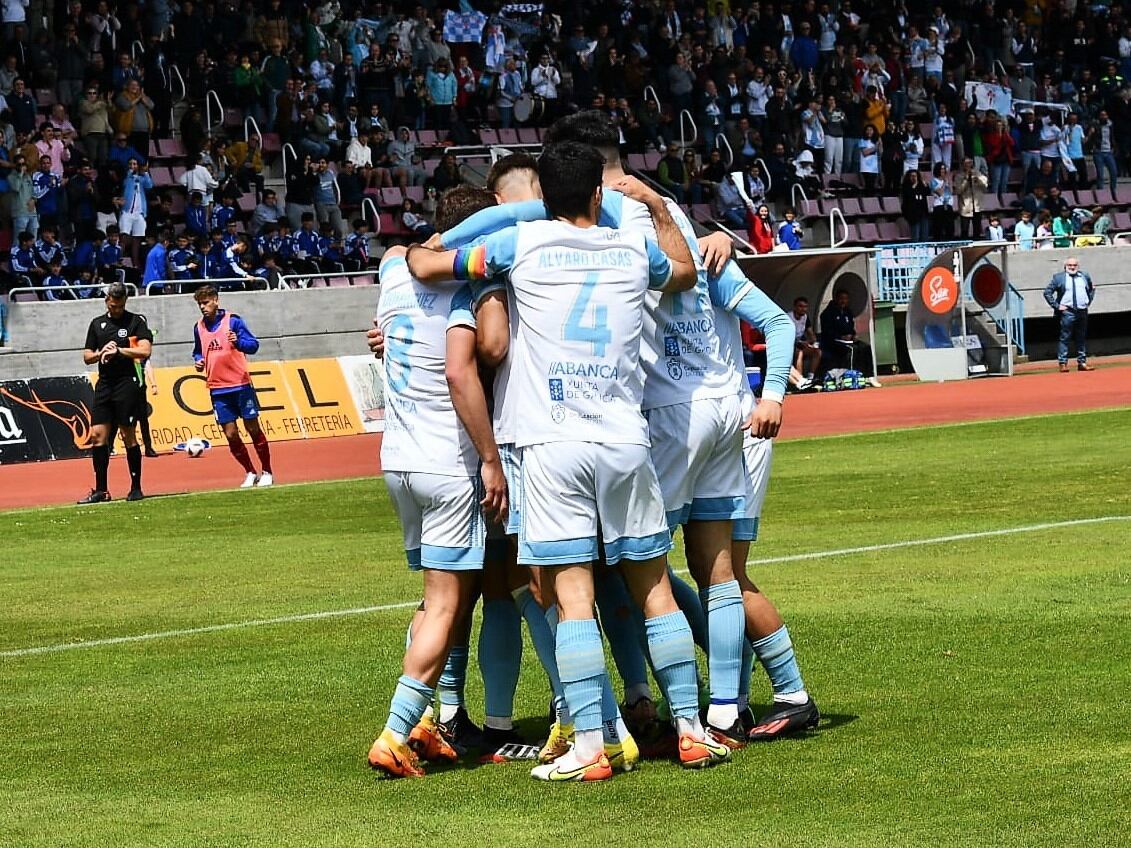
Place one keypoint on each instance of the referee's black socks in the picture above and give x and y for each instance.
(101, 458)
(133, 460)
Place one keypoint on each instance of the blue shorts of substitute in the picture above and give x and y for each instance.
(233, 404)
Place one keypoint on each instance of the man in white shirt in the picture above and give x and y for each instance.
(1070, 292)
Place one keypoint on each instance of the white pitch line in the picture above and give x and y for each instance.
(211, 628)
(315, 616)
(940, 540)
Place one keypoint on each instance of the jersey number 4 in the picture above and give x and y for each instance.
(597, 333)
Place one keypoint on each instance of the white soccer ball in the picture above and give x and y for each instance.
(195, 447)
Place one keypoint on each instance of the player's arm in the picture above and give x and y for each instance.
(669, 237)
(487, 221)
(470, 402)
(735, 293)
(245, 341)
(717, 249)
(197, 352)
(493, 331)
(491, 257)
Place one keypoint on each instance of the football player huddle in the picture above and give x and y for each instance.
(618, 413)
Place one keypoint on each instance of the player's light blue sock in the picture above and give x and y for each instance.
(452, 680)
(619, 622)
(410, 700)
(581, 666)
(500, 659)
(673, 658)
(692, 606)
(775, 652)
(744, 673)
(726, 631)
(543, 638)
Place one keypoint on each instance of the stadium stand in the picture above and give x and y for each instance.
(246, 92)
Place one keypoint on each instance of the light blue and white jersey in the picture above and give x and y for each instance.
(422, 431)
(579, 295)
(736, 297)
(679, 354)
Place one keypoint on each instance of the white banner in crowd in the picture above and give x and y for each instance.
(985, 97)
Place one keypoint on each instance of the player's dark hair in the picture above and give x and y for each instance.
(460, 202)
(589, 127)
(205, 292)
(117, 291)
(570, 173)
(507, 166)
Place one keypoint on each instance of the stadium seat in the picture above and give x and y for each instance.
(1121, 221)
(45, 98)
(154, 151)
(810, 209)
(849, 206)
(272, 143)
(889, 231)
(390, 198)
(637, 162)
(652, 160)
(390, 226)
(246, 203)
(702, 212)
(508, 136)
(1104, 197)
(1085, 197)
(427, 138)
(233, 117)
(528, 135)
(868, 233)
(178, 207)
(415, 192)
(936, 337)
(173, 147)
(339, 282)
(488, 136)
(161, 175)
(871, 206)
(928, 132)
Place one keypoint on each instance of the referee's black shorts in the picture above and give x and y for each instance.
(117, 403)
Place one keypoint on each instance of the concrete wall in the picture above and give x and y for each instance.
(47, 338)
(1110, 268)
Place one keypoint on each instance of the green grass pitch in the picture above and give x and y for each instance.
(975, 691)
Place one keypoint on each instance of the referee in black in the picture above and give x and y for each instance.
(118, 341)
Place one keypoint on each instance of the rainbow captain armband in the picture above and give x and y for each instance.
(470, 263)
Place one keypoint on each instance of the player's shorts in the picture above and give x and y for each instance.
(118, 403)
(570, 489)
(131, 224)
(441, 519)
(697, 454)
(759, 455)
(234, 404)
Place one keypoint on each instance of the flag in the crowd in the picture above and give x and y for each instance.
(985, 97)
(495, 47)
(522, 9)
(464, 27)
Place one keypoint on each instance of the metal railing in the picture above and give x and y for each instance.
(720, 143)
(685, 118)
(287, 282)
(736, 237)
(291, 157)
(1008, 315)
(368, 202)
(835, 213)
(136, 49)
(649, 91)
(766, 178)
(73, 288)
(209, 96)
(200, 281)
(793, 192)
(255, 126)
(899, 265)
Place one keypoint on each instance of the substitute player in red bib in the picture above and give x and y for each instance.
(221, 341)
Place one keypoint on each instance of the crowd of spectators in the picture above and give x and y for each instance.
(834, 97)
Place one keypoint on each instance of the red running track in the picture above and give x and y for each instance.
(893, 407)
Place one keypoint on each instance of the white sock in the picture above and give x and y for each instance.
(587, 744)
(499, 723)
(637, 691)
(722, 716)
(448, 712)
(799, 697)
(427, 714)
(690, 726)
(622, 729)
(400, 737)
